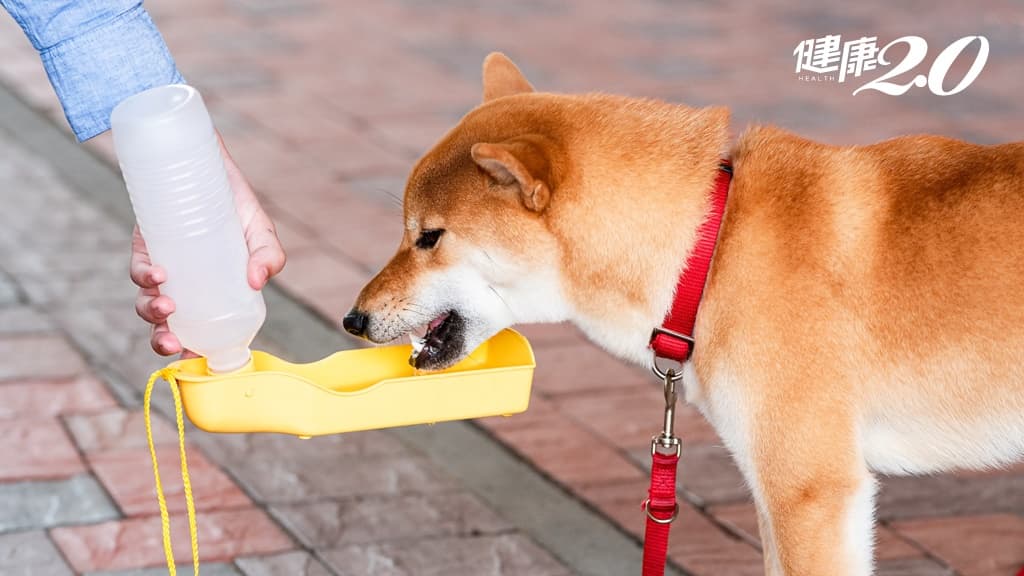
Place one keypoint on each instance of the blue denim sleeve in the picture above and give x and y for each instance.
(96, 53)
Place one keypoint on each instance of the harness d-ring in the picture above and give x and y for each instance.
(655, 519)
(675, 374)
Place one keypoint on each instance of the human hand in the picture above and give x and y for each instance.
(266, 258)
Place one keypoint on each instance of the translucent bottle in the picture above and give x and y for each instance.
(172, 166)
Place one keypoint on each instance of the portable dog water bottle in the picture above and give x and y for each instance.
(175, 175)
(172, 166)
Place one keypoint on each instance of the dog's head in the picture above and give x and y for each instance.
(476, 255)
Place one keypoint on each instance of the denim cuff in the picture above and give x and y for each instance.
(93, 71)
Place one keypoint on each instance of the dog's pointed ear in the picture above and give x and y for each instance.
(502, 77)
(517, 162)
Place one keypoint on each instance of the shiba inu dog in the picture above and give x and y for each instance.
(864, 310)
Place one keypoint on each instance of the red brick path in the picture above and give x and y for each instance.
(325, 104)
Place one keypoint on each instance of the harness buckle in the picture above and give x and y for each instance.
(660, 330)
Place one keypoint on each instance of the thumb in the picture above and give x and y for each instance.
(266, 255)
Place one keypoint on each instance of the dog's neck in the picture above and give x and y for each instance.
(649, 205)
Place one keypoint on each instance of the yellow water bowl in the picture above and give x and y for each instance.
(360, 389)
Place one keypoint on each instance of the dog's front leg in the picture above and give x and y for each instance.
(771, 557)
(816, 500)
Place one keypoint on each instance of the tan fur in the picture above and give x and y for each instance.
(857, 294)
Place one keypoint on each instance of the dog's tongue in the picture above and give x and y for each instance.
(437, 321)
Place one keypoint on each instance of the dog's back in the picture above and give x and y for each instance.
(893, 275)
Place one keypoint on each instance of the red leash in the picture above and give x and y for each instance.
(673, 340)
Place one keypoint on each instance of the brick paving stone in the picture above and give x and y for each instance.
(413, 134)
(36, 449)
(582, 367)
(317, 271)
(9, 293)
(278, 172)
(20, 358)
(949, 495)
(367, 232)
(52, 397)
(109, 331)
(569, 452)
(74, 260)
(224, 79)
(742, 520)
(363, 230)
(183, 570)
(333, 143)
(991, 545)
(128, 475)
(278, 8)
(300, 193)
(334, 302)
(284, 448)
(629, 418)
(83, 289)
(137, 542)
(912, 567)
(30, 554)
(506, 555)
(889, 545)
(334, 524)
(41, 290)
(703, 549)
(283, 481)
(285, 564)
(541, 410)
(43, 504)
(127, 394)
(385, 189)
(116, 430)
(698, 545)
(23, 320)
(389, 95)
(295, 236)
(620, 501)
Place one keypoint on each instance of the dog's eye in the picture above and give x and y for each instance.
(428, 238)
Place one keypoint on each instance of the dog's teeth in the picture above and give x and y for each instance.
(417, 344)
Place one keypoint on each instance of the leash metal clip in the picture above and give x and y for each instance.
(667, 440)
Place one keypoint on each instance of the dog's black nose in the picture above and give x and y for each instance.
(355, 322)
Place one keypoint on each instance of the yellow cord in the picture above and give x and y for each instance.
(168, 374)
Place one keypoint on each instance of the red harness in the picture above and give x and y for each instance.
(673, 340)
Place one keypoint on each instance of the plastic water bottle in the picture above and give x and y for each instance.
(172, 166)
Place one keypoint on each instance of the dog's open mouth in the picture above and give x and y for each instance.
(441, 344)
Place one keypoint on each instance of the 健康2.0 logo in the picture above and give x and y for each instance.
(829, 59)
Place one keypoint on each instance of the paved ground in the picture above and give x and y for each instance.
(325, 104)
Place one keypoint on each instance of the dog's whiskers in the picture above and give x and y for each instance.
(502, 299)
(394, 199)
